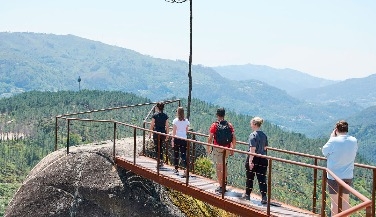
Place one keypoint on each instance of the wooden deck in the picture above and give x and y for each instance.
(204, 189)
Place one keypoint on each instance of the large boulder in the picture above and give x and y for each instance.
(86, 182)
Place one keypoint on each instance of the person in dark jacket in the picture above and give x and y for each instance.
(159, 123)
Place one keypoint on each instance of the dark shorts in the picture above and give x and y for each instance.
(333, 186)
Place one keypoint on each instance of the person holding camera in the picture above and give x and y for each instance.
(340, 151)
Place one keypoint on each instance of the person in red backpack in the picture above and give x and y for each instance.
(218, 152)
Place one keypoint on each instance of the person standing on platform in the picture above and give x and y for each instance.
(340, 151)
(223, 134)
(159, 123)
(180, 129)
(256, 165)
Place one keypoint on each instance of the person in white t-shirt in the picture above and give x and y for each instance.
(180, 128)
(340, 151)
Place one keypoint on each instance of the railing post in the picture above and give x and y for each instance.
(340, 195)
(323, 193)
(369, 211)
(373, 191)
(314, 196)
(56, 133)
(158, 153)
(68, 136)
(113, 148)
(166, 149)
(187, 163)
(193, 153)
(134, 146)
(269, 185)
(143, 138)
(223, 173)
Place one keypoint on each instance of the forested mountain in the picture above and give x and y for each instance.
(360, 91)
(46, 62)
(285, 79)
(364, 130)
(32, 115)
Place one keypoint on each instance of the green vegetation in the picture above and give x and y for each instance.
(27, 125)
(48, 62)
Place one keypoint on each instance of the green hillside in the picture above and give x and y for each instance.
(32, 115)
(46, 62)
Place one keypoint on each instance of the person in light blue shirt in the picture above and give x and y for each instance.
(340, 151)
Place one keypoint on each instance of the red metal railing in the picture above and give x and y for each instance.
(366, 204)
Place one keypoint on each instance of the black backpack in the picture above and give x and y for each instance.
(223, 134)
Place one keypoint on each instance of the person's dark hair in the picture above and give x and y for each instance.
(160, 106)
(342, 126)
(221, 112)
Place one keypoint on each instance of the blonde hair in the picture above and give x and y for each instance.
(257, 121)
(180, 114)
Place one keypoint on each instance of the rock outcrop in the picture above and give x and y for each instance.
(86, 182)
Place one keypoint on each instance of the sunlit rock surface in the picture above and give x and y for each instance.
(87, 183)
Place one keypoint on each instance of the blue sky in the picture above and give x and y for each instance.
(332, 39)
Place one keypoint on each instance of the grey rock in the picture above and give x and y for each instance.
(86, 182)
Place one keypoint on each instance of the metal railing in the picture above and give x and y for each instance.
(366, 204)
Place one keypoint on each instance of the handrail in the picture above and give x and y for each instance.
(367, 203)
(364, 166)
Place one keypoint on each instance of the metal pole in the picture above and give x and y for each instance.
(134, 146)
(113, 148)
(314, 196)
(143, 138)
(193, 154)
(158, 154)
(269, 186)
(187, 163)
(55, 133)
(68, 136)
(340, 195)
(223, 173)
(323, 193)
(373, 191)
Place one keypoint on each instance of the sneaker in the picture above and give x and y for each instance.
(176, 171)
(264, 200)
(246, 197)
(219, 190)
(184, 174)
(160, 165)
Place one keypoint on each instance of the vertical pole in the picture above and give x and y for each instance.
(323, 193)
(269, 185)
(158, 153)
(143, 138)
(314, 193)
(340, 195)
(56, 133)
(373, 191)
(187, 163)
(223, 173)
(68, 136)
(193, 153)
(113, 147)
(134, 146)
(166, 148)
(190, 62)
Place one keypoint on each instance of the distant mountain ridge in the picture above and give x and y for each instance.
(47, 62)
(361, 91)
(286, 79)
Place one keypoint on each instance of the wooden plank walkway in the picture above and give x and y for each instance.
(204, 188)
